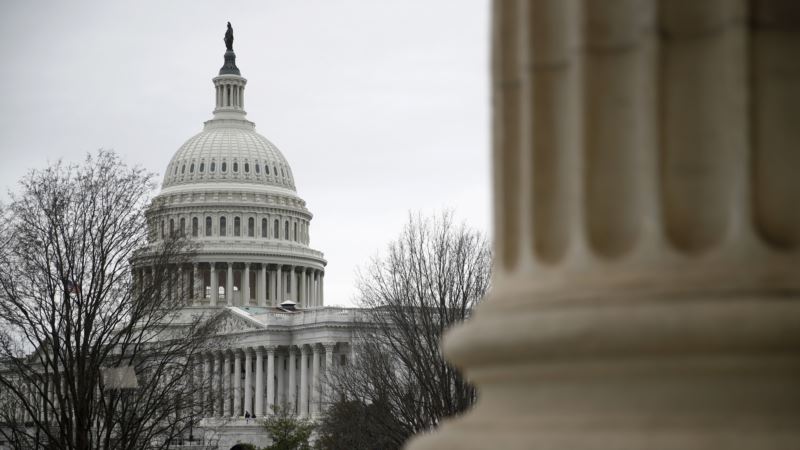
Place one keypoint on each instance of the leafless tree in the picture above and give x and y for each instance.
(72, 316)
(428, 280)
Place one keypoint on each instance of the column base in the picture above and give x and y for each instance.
(688, 373)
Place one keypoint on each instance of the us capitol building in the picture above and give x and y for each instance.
(233, 193)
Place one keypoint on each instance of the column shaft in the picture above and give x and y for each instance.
(229, 285)
(315, 382)
(259, 382)
(246, 285)
(303, 403)
(248, 382)
(237, 384)
(214, 285)
(270, 379)
(291, 389)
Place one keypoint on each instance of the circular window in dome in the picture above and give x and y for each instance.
(246, 168)
(235, 167)
(213, 166)
(191, 168)
(223, 167)
(202, 167)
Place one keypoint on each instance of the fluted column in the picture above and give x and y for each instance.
(279, 289)
(246, 285)
(302, 294)
(270, 379)
(229, 285)
(259, 382)
(645, 288)
(217, 389)
(214, 284)
(321, 289)
(226, 385)
(325, 391)
(237, 383)
(248, 381)
(315, 382)
(262, 295)
(280, 379)
(303, 403)
(291, 389)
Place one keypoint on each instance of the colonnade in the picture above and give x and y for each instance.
(255, 379)
(240, 284)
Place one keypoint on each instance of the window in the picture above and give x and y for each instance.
(183, 169)
(246, 168)
(286, 230)
(235, 167)
(191, 168)
(264, 230)
(194, 226)
(258, 168)
(274, 171)
(251, 227)
(162, 230)
(237, 226)
(208, 226)
(176, 170)
(183, 226)
(275, 229)
(213, 166)
(222, 226)
(282, 174)
(171, 227)
(224, 167)
(295, 231)
(202, 167)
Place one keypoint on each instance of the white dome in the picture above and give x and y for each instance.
(229, 151)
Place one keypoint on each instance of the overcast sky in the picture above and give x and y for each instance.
(380, 107)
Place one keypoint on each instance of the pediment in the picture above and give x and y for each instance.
(231, 323)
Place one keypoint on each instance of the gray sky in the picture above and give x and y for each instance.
(380, 107)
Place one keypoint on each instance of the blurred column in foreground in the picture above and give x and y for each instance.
(646, 291)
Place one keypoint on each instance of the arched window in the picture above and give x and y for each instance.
(258, 168)
(183, 226)
(202, 167)
(274, 171)
(213, 166)
(235, 167)
(251, 227)
(194, 226)
(191, 168)
(171, 227)
(275, 229)
(264, 230)
(295, 231)
(224, 167)
(183, 169)
(176, 170)
(208, 226)
(282, 174)
(286, 230)
(222, 226)
(246, 168)
(237, 226)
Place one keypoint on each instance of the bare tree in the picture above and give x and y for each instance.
(428, 280)
(73, 320)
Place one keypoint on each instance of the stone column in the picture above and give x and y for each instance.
(226, 385)
(280, 379)
(195, 290)
(246, 285)
(325, 390)
(647, 235)
(279, 289)
(262, 276)
(270, 379)
(214, 284)
(237, 383)
(315, 384)
(248, 381)
(291, 388)
(321, 289)
(217, 390)
(303, 403)
(301, 292)
(259, 382)
(229, 285)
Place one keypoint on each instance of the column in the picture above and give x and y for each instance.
(248, 381)
(302, 294)
(195, 294)
(270, 379)
(181, 286)
(326, 379)
(246, 285)
(291, 389)
(279, 290)
(259, 382)
(642, 217)
(229, 285)
(214, 284)
(303, 404)
(237, 383)
(226, 385)
(207, 383)
(262, 276)
(217, 390)
(321, 289)
(280, 379)
(293, 282)
(315, 382)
